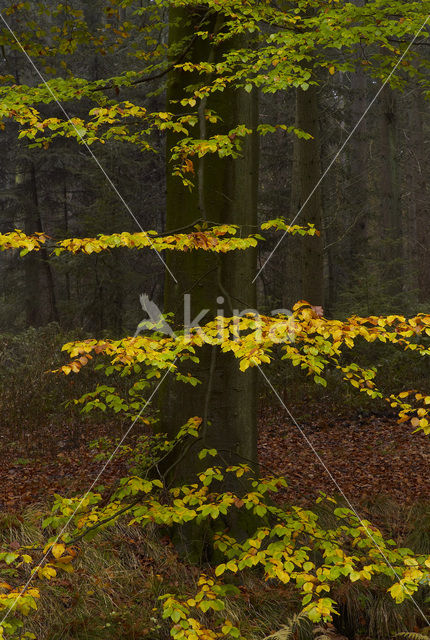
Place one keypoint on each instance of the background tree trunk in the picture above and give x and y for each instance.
(358, 180)
(40, 301)
(305, 266)
(417, 203)
(389, 195)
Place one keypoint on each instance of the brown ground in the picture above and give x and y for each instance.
(367, 456)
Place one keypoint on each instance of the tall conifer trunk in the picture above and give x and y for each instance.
(418, 206)
(358, 178)
(304, 260)
(40, 299)
(389, 195)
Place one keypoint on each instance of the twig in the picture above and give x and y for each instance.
(160, 74)
(423, 44)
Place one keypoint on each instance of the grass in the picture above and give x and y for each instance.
(114, 592)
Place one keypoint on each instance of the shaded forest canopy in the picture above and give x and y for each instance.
(371, 207)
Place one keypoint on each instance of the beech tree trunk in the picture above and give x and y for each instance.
(225, 192)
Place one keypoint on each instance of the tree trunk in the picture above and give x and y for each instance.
(39, 280)
(389, 193)
(358, 180)
(418, 213)
(227, 193)
(305, 266)
(66, 233)
(32, 277)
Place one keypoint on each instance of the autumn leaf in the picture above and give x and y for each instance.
(58, 550)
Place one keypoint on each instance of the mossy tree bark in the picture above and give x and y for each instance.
(225, 192)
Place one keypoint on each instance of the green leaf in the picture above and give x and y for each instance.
(320, 381)
(176, 615)
(397, 592)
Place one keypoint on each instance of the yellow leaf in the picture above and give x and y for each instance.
(68, 568)
(46, 572)
(331, 70)
(58, 550)
(64, 560)
(244, 364)
(397, 593)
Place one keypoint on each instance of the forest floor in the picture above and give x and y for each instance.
(367, 455)
(362, 456)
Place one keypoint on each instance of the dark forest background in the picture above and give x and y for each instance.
(373, 206)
